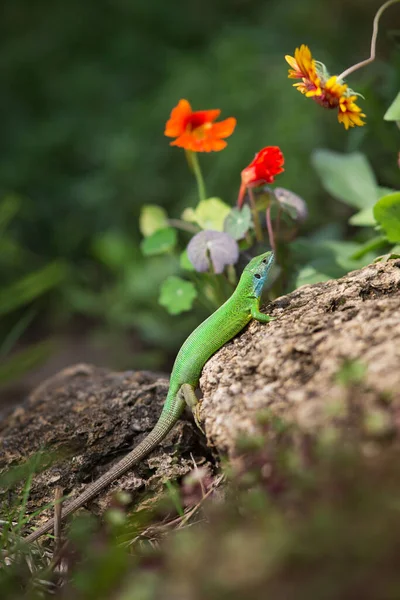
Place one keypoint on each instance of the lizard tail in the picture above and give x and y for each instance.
(165, 423)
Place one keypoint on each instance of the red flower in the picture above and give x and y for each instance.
(266, 164)
(196, 130)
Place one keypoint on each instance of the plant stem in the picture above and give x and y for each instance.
(256, 220)
(194, 164)
(269, 228)
(179, 224)
(375, 28)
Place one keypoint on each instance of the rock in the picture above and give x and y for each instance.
(90, 418)
(331, 359)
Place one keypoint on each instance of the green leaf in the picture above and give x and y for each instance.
(177, 295)
(185, 263)
(9, 207)
(209, 214)
(393, 112)
(364, 218)
(25, 360)
(159, 242)
(347, 177)
(328, 259)
(387, 213)
(114, 250)
(370, 246)
(237, 222)
(31, 286)
(152, 218)
(16, 332)
(309, 275)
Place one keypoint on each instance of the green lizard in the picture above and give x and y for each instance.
(206, 339)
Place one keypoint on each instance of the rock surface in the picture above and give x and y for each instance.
(296, 367)
(93, 417)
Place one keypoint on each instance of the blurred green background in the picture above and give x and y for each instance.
(86, 89)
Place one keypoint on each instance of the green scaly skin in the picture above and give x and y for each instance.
(220, 327)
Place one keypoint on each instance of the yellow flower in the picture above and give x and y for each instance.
(327, 91)
(350, 114)
(304, 67)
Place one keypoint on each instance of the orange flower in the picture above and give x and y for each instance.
(196, 130)
(266, 164)
(327, 91)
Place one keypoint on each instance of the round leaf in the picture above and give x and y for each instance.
(185, 262)
(216, 246)
(209, 214)
(152, 218)
(292, 204)
(177, 295)
(237, 222)
(387, 213)
(393, 112)
(348, 177)
(160, 242)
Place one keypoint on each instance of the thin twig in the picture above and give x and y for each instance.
(375, 28)
(57, 517)
(199, 478)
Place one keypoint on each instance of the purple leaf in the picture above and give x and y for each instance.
(291, 203)
(216, 246)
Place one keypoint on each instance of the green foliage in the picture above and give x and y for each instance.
(152, 218)
(31, 286)
(393, 112)
(17, 297)
(177, 295)
(292, 503)
(209, 214)
(185, 263)
(160, 242)
(348, 177)
(83, 150)
(237, 222)
(12, 368)
(351, 372)
(387, 214)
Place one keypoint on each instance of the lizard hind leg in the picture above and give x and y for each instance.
(187, 392)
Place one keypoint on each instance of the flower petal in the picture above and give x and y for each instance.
(176, 124)
(224, 128)
(197, 130)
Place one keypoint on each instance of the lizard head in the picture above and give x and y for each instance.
(258, 268)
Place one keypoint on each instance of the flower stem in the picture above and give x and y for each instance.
(375, 28)
(195, 167)
(254, 212)
(269, 228)
(179, 224)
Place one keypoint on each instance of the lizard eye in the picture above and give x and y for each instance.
(265, 260)
(257, 276)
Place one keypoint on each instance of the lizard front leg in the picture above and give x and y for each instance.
(258, 315)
